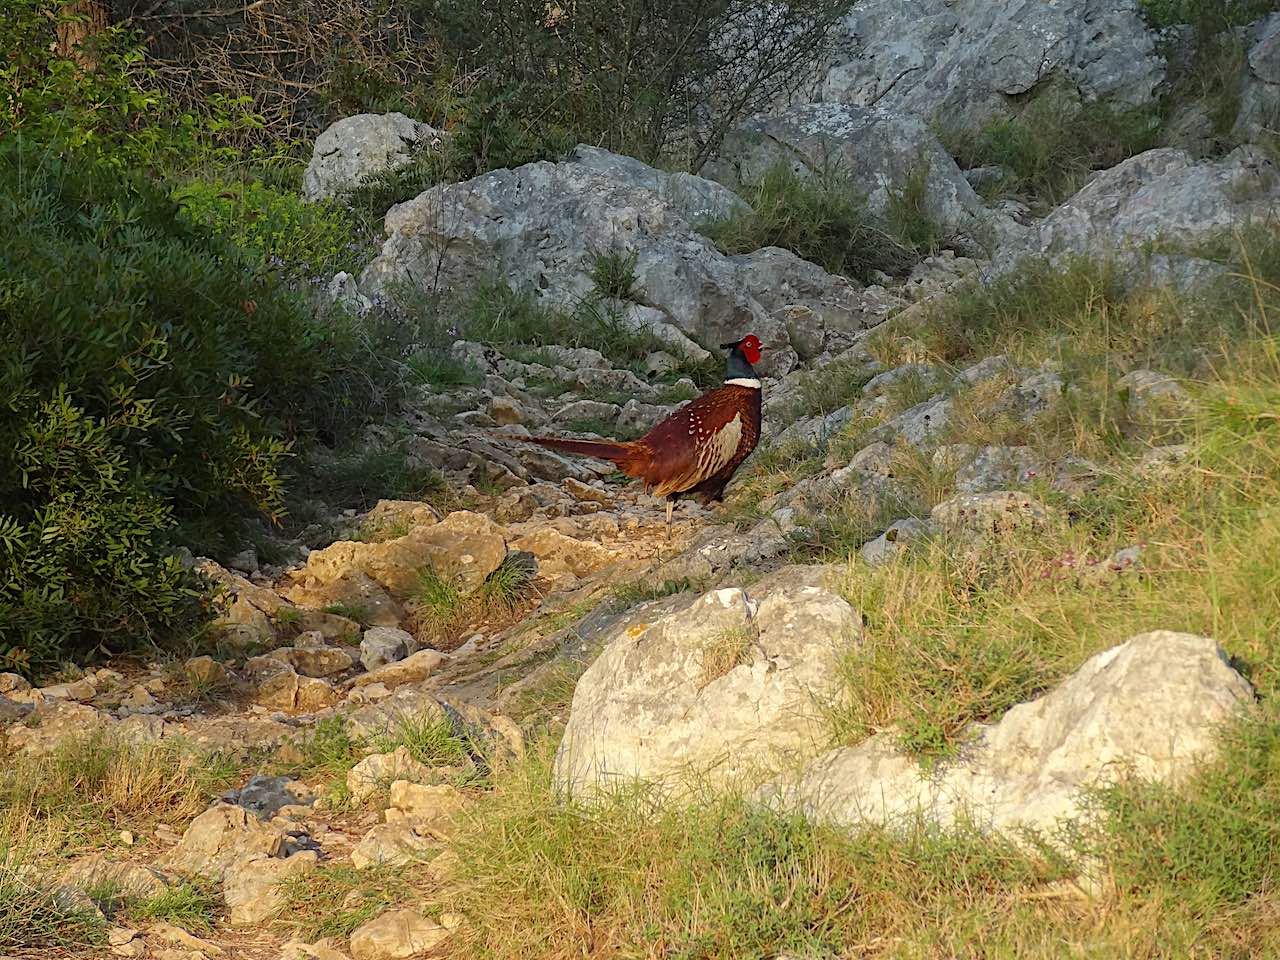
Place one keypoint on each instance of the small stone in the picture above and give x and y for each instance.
(118, 935)
(11, 683)
(315, 660)
(412, 669)
(396, 935)
(391, 844)
(426, 802)
(251, 887)
(384, 645)
(137, 698)
(127, 838)
(381, 770)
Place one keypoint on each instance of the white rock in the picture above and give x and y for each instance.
(353, 148)
(654, 706)
(1151, 707)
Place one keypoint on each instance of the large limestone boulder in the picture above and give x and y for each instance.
(876, 149)
(964, 63)
(353, 148)
(694, 198)
(1162, 193)
(1151, 707)
(730, 684)
(541, 226)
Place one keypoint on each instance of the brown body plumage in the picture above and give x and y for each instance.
(696, 450)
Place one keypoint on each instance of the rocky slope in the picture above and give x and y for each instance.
(554, 601)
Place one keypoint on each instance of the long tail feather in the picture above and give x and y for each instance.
(620, 454)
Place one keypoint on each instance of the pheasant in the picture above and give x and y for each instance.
(696, 450)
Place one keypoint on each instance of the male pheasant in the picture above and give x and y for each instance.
(696, 450)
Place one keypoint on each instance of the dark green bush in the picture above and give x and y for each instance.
(152, 376)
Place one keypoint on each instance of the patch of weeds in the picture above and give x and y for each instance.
(441, 609)
(715, 877)
(642, 591)
(191, 905)
(1051, 146)
(435, 368)
(723, 652)
(773, 469)
(825, 390)
(90, 788)
(327, 751)
(432, 741)
(509, 585)
(820, 217)
(613, 274)
(908, 216)
(352, 610)
(34, 917)
(361, 478)
(338, 899)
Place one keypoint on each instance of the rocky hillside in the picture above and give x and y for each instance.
(978, 658)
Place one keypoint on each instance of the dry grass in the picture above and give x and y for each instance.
(88, 789)
(723, 652)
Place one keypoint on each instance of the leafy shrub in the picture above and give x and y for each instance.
(628, 76)
(113, 113)
(821, 218)
(158, 380)
(301, 238)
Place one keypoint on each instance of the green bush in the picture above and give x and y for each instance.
(821, 218)
(152, 378)
(1049, 149)
(307, 239)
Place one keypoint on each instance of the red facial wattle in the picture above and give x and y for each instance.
(750, 348)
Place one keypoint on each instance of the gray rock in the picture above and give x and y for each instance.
(637, 417)
(264, 795)
(1150, 392)
(344, 291)
(983, 515)
(383, 645)
(724, 685)
(876, 149)
(920, 425)
(1260, 91)
(878, 384)
(998, 467)
(964, 63)
(1151, 708)
(1161, 193)
(542, 224)
(822, 311)
(353, 148)
(694, 198)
